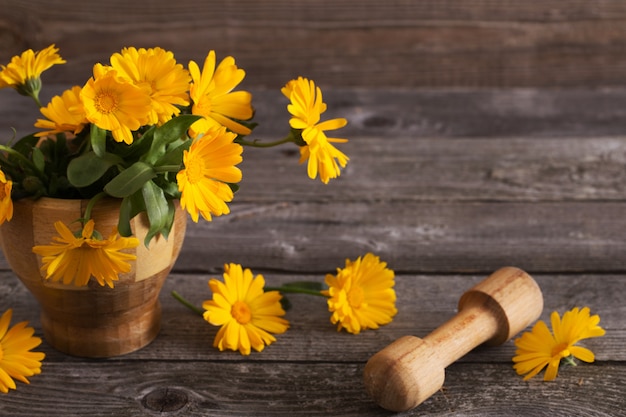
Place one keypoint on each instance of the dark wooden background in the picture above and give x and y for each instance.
(350, 43)
(482, 133)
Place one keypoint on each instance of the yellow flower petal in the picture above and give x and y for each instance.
(213, 98)
(306, 108)
(17, 362)
(361, 295)
(209, 167)
(75, 260)
(246, 314)
(6, 204)
(541, 348)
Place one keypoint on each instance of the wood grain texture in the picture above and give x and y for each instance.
(395, 43)
(426, 302)
(235, 389)
(418, 114)
(318, 371)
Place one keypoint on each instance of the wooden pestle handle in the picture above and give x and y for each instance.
(410, 370)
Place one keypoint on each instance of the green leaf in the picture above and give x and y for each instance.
(130, 207)
(88, 168)
(171, 131)
(135, 150)
(157, 209)
(234, 187)
(26, 144)
(98, 140)
(169, 222)
(170, 188)
(174, 153)
(39, 160)
(130, 180)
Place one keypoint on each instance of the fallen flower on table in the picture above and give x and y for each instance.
(248, 315)
(16, 359)
(360, 297)
(361, 294)
(539, 347)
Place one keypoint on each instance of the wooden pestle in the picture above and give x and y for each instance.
(410, 370)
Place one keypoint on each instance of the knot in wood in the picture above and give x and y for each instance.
(165, 400)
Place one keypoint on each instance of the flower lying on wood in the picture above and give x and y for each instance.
(247, 314)
(541, 348)
(17, 362)
(148, 131)
(360, 297)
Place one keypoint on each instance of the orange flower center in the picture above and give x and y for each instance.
(195, 170)
(356, 297)
(561, 350)
(202, 107)
(106, 102)
(241, 312)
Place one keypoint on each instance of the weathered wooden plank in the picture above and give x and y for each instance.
(424, 303)
(227, 389)
(425, 113)
(413, 236)
(317, 371)
(458, 169)
(351, 43)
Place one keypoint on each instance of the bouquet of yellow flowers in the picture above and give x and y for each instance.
(148, 131)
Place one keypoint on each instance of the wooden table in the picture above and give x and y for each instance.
(446, 186)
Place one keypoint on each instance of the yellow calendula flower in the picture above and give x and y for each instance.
(248, 315)
(213, 97)
(114, 103)
(6, 204)
(306, 108)
(64, 113)
(24, 71)
(17, 362)
(157, 70)
(361, 294)
(209, 167)
(541, 348)
(74, 260)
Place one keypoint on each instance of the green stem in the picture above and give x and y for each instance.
(187, 304)
(167, 168)
(257, 144)
(92, 202)
(570, 360)
(24, 159)
(295, 290)
(37, 101)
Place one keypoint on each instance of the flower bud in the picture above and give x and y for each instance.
(33, 185)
